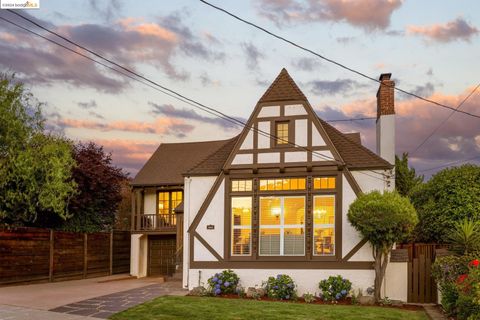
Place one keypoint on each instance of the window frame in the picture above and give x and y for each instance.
(325, 224)
(170, 207)
(233, 227)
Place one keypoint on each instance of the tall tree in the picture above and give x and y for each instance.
(451, 195)
(405, 177)
(35, 168)
(100, 186)
(382, 219)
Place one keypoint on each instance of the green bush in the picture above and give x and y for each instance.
(449, 196)
(335, 288)
(281, 287)
(224, 282)
(308, 297)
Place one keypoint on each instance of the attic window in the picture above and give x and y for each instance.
(281, 132)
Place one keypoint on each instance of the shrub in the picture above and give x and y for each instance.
(224, 282)
(468, 303)
(281, 287)
(308, 297)
(335, 288)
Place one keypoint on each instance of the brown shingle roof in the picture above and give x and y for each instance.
(354, 154)
(283, 88)
(171, 160)
(213, 164)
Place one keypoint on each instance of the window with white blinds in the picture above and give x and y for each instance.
(324, 225)
(282, 226)
(241, 226)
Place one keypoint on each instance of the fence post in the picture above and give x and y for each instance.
(85, 260)
(50, 267)
(111, 252)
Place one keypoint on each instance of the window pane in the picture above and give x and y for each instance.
(234, 185)
(324, 225)
(269, 242)
(282, 184)
(163, 203)
(324, 183)
(324, 210)
(294, 211)
(263, 185)
(241, 242)
(270, 211)
(294, 241)
(248, 185)
(241, 185)
(323, 241)
(242, 211)
(282, 133)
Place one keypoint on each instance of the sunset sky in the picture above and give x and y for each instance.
(431, 48)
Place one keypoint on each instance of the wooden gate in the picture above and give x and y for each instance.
(421, 285)
(161, 255)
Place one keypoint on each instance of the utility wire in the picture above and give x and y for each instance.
(448, 164)
(351, 119)
(170, 92)
(445, 120)
(331, 60)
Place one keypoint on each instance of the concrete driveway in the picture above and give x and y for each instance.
(46, 296)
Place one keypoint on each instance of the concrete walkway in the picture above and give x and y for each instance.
(46, 296)
(23, 313)
(105, 306)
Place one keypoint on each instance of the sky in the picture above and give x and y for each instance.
(431, 48)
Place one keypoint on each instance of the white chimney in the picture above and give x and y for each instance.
(386, 118)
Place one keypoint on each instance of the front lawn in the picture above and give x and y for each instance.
(219, 308)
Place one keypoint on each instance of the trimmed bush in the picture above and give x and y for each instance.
(281, 287)
(335, 288)
(224, 282)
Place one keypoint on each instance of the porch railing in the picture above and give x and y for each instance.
(155, 222)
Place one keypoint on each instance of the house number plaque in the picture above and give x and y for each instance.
(210, 227)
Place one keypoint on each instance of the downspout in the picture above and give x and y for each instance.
(186, 239)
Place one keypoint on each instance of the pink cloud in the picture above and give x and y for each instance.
(458, 29)
(163, 125)
(366, 14)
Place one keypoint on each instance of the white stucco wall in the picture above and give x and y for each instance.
(263, 135)
(322, 155)
(301, 132)
(317, 139)
(149, 202)
(247, 143)
(214, 216)
(138, 255)
(306, 280)
(271, 111)
(386, 137)
(395, 285)
(296, 156)
(295, 110)
(246, 158)
(268, 157)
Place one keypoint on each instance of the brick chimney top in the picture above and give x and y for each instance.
(385, 96)
(385, 76)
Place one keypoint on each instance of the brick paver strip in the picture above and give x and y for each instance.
(105, 306)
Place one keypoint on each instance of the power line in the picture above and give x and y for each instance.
(351, 119)
(445, 120)
(448, 164)
(331, 60)
(170, 92)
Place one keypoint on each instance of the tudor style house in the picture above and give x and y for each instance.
(273, 199)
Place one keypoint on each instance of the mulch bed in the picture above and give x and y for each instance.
(347, 302)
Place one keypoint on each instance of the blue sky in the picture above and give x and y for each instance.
(430, 47)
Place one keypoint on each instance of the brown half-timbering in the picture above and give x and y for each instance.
(354, 250)
(345, 265)
(207, 246)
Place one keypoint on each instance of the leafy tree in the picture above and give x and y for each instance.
(405, 177)
(35, 168)
(382, 219)
(124, 212)
(449, 196)
(100, 189)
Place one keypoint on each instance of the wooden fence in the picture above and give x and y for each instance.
(31, 254)
(421, 285)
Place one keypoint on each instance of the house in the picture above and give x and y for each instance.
(273, 199)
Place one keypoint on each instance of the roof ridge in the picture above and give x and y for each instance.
(211, 155)
(283, 88)
(359, 145)
(194, 142)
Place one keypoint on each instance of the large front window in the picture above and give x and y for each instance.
(167, 202)
(282, 226)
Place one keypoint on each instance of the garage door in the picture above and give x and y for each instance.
(161, 255)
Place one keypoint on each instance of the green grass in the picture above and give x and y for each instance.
(219, 308)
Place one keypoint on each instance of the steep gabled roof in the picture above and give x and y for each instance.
(171, 160)
(355, 155)
(213, 164)
(283, 88)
